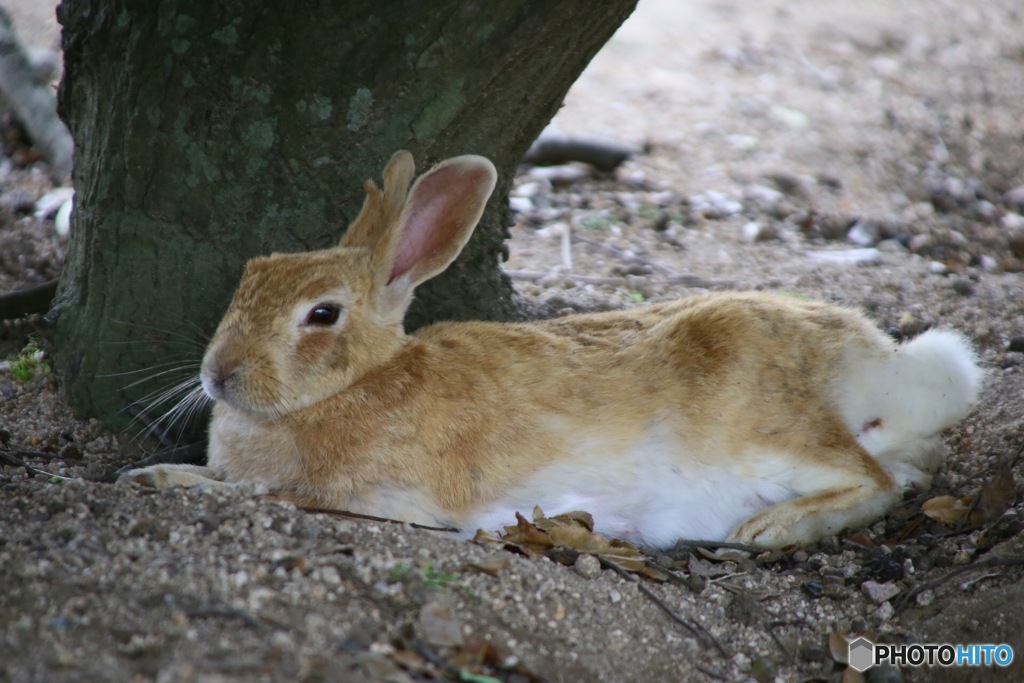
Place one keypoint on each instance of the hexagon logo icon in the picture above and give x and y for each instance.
(862, 654)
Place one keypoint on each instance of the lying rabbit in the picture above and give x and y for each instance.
(754, 418)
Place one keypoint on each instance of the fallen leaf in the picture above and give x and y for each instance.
(563, 538)
(947, 510)
(584, 519)
(863, 539)
(708, 570)
(997, 494)
(839, 647)
(491, 567)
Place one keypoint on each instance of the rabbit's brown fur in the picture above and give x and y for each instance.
(763, 418)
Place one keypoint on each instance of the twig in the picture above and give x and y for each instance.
(11, 459)
(374, 518)
(698, 631)
(566, 243)
(25, 302)
(977, 579)
(1010, 561)
(20, 453)
(672, 575)
(552, 149)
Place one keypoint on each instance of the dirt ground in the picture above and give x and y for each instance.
(867, 153)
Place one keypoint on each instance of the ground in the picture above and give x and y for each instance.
(865, 153)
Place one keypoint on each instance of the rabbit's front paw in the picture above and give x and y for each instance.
(168, 476)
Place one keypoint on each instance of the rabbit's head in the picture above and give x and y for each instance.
(302, 327)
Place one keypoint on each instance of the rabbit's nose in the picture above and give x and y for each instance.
(215, 381)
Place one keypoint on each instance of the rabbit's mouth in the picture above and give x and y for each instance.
(239, 387)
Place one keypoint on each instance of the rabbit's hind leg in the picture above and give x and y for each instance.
(832, 494)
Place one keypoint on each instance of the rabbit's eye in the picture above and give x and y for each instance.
(323, 315)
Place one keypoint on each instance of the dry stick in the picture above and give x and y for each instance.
(373, 518)
(24, 302)
(698, 631)
(552, 149)
(673, 576)
(11, 459)
(567, 246)
(1010, 561)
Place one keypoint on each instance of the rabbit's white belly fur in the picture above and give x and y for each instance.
(653, 493)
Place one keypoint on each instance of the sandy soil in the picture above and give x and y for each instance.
(865, 153)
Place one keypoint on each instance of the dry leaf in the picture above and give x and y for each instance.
(564, 537)
(492, 567)
(863, 539)
(708, 570)
(947, 510)
(997, 494)
(839, 647)
(572, 518)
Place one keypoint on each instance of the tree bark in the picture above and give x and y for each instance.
(207, 133)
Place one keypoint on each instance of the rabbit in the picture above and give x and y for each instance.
(754, 418)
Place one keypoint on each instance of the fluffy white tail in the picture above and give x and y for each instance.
(898, 406)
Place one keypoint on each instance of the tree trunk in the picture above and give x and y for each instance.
(209, 132)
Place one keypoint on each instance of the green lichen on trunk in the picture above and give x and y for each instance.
(208, 133)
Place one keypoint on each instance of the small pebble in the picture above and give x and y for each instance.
(963, 287)
(864, 233)
(438, 624)
(758, 232)
(885, 611)
(879, 592)
(587, 566)
(919, 243)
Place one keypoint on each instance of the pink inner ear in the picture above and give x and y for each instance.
(434, 218)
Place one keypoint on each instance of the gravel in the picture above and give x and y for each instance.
(783, 145)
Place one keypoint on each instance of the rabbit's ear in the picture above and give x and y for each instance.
(440, 213)
(382, 208)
